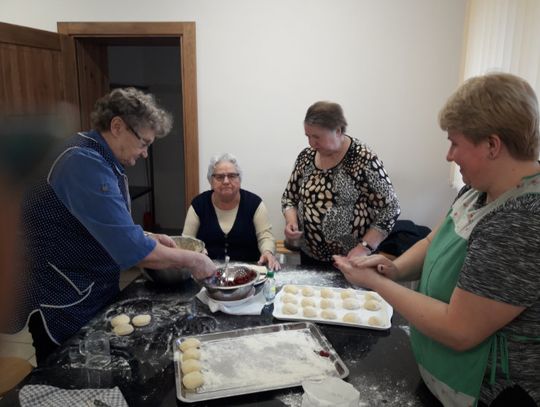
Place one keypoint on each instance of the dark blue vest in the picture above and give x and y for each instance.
(241, 242)
(71, 276)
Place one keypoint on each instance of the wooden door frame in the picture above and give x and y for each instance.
(185, 32)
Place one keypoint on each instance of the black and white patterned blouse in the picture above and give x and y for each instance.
(337, 206)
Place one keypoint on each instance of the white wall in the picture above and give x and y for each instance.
(391, 64)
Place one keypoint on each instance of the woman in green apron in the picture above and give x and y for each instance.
(475, 319)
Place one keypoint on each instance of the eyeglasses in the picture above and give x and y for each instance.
(232, 176)
(144, 143)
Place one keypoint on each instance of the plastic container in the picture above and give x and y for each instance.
(269, 288)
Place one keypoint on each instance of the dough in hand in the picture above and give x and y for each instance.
(349, 293)
(141, 320)
(191, 365)
(328, 314)
(308, 302)
(327, 292)
(308, 292)
(352, 318)
(190, 343)
(289, 298)
(326, 303)
(191, 353)
(290, 309)
(123, 329)
(351, 303)
(310, 312)
(292, 289)
(193, 380)
(120, 320)
(375, 321)
(372, 305)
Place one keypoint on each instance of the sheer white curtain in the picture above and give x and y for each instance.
(504, 36)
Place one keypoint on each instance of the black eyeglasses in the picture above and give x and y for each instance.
(232, 176)
(144, 143)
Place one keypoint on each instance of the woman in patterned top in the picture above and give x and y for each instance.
(339, 196)
(476, 318)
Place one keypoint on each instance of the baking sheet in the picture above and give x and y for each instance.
(384, 314)
(259, 359)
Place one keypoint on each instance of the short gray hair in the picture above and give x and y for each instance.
(215, 160)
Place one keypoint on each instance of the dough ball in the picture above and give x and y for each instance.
(307, 302)
(191, 353)
(310, 312)
(375, 321)
(328, 314)
(370, 295)
(326, 303)
(327, 293)
(290, 309)
(191, 365)
(372, 305)
(351, 303)
(123, 329)
(190, 343)
(348, 294)
(308, 292)
(193, 380)
(289, 299)
(352, 318)
(141, 320)
(292, 289)
(120, 320)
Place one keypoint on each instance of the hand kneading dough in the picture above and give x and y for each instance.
(351, 317)
(327, 293)
(290, 309)
(190, 343)
(191, 353)
(310, 312)
(291, 289)
(348, 294)
(308, 292)
(308, 302)
(193, 380)
(328, 314)
(375, 321)
(141, 320)
(120, 320)
(123, 329)
(191, 365)
(325, 303)
(289, 298)
(372, 305)
(351, 303)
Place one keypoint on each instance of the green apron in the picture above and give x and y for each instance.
(456, 377)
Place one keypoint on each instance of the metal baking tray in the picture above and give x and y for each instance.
(384, 314)
(259, 359)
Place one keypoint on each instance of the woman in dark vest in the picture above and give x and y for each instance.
(231, 221)
(77, 227)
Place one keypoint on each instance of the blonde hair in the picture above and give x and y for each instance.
(496, 103)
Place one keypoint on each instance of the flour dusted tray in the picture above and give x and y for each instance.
(258, 359)
(312, 304)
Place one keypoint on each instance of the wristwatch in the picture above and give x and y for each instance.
(367, 246)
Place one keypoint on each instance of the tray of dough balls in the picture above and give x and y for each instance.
(252, 360)
(329, 305)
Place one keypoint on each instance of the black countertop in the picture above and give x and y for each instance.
(381, 364)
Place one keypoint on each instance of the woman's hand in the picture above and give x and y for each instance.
(292, 232)
(201, 266)
(366, 271)
(269, 259)
(358, 251)
(163, 239)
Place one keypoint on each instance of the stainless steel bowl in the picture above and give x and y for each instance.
(216, 289)
(176, 276)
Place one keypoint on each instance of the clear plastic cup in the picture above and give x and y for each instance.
(96, 349)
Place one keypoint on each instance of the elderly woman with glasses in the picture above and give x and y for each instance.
(77, 227)
(231, 221)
